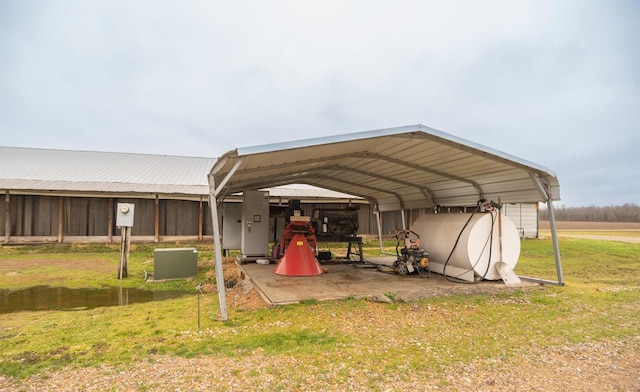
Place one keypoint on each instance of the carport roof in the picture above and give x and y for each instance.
(395, 168)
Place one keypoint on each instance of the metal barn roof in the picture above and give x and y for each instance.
(396, 168)
(31, 169)
(90, 172)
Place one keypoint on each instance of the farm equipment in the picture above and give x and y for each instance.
(298, 250)
(336, 222)
(410, 257)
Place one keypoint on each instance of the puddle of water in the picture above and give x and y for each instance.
(61, 298)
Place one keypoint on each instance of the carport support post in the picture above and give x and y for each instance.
(545, 192)
(217, 246)
(554, 239)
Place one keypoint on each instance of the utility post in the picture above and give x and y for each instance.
(124, 220)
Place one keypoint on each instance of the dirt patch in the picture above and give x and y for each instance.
(240, 293)
(465, 289)
(241, 299)
(51, 262)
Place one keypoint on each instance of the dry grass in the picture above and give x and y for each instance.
(598, 226)
(608, 231)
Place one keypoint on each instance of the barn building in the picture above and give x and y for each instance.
(65, 196)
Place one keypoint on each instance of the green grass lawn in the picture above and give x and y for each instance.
(600, 301)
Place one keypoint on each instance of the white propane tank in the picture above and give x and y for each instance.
(438, 234)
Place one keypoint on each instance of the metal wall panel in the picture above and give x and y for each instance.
(525, 217)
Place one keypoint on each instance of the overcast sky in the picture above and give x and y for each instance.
(552, 82)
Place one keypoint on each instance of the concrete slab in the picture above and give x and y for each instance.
(344, 281)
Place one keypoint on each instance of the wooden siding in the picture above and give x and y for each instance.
(84, 216)
(33, 215)
(179, 217)
(36, 218)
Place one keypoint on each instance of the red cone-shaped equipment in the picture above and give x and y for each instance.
(298, 259)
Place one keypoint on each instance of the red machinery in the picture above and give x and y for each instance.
(298, 247)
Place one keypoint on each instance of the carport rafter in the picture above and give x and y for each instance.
(422, 169)
(474, 149)
(355, 184)
(373, 156)
(297, 163)
(306, 177)
(428, 193)
(277, 181)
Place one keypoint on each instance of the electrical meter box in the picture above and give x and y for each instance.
(124, 217)
(175, 263)
(255, 224)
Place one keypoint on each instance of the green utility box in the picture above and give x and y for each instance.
(175, 263)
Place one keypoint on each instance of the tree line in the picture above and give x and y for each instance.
(629, 212)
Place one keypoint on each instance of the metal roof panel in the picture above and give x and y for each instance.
(102, 167)
(393, 167)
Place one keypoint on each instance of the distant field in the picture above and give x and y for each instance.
(597, 226)
(610, 231)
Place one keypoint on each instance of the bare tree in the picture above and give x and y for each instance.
(629, 212)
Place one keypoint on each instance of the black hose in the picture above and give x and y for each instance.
(455, 279)
(489, 242)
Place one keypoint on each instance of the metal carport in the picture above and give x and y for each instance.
(394, 169)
